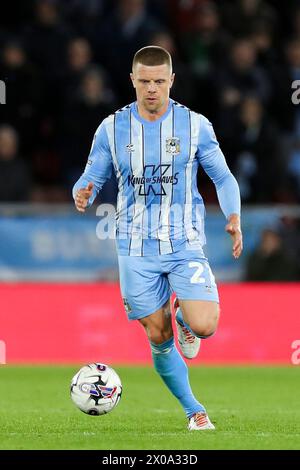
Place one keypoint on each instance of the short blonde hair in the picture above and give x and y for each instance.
(152, 55)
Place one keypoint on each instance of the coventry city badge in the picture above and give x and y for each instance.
(173, 145)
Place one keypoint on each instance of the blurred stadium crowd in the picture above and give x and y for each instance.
(66, 66)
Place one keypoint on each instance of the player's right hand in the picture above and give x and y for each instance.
(234, 229)
(82, 197)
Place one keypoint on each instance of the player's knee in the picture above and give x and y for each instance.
(158, 326)
(205, 327)
(203, 331)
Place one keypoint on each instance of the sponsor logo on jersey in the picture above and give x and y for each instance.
(153, 179)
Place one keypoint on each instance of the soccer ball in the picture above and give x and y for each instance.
(96, 389)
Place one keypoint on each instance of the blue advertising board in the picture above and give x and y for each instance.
(66, 247)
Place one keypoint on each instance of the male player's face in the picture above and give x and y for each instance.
(152, 85)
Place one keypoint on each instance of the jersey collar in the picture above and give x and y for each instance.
(151, 123)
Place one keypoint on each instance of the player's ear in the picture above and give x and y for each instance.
(172, 79)
(132, 79)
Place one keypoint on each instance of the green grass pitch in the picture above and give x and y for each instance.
(251, 407)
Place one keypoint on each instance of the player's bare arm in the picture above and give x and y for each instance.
(82, 197)
(234, 229)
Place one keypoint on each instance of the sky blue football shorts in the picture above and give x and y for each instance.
(147, 282)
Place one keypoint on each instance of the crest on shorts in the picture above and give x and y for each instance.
(173, 145)
(127, 306)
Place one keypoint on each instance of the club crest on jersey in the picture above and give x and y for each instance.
(129, 148)
(173, 145)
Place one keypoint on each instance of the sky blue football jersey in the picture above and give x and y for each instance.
(159, 207)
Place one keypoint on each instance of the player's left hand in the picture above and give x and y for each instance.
(234, 229)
